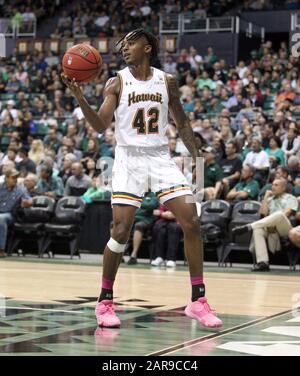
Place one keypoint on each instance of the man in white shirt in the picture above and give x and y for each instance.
(258, 159)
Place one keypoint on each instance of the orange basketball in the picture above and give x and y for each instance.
(82, 62)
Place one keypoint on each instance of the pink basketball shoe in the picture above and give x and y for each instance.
(201, 311)
(105, 314)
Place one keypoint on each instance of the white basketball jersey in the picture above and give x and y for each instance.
(142, 114)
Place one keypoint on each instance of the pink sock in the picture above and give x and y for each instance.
(196, 281)
(107, 283)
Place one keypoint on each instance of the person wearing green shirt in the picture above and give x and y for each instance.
(205, 81)
(275, 153)
(210, 58)
(96, 191)
(247, 188)
(17, 19)
(213, 174)
(143, 220)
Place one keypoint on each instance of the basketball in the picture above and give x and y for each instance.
(82, 62)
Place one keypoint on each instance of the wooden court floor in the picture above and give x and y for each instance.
(47, 309)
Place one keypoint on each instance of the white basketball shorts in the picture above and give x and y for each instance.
(137, 168)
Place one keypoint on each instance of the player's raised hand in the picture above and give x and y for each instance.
(72, 85)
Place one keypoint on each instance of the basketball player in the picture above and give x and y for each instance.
(139, 98)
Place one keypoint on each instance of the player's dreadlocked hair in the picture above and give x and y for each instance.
(136, 34)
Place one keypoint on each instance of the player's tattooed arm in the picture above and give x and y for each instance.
(102, 119)
(182, 122)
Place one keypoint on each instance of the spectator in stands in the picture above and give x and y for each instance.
(210, 58)
(280, 172)
(247, 188)
(12, 196)
(291, 142)
(275, 153)
(65, 171)
(266, 131)
(79, 182)
(218, 145)
(8, 165)
(287, 93)
(72, 132)
(49, 184)
(51, 140)
(294, 170)
(231, 166)
(169, 65)
(207, 131)
(26, 165)
(98, 191)
(92, 150)
(36, 152)
(277, 208)
(11, 110)
(166, 237)
(205, 80)
(143, 222)
(213, 175)
(107, 144)
(258, 159)
(30, 183)
(90, 168)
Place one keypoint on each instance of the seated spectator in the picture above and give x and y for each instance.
(90, 168)
(143, 221)
(52, 140)
(291, 143)
(26, 165)
(169, 65)
(247, 188)
(49, 184)
(8, 165)
(280, 172)
(258, 159)
(107, 144)
(12, 196)
(96, 191)
(65, 172)
(10, 110)
(79, 182)
(213, 175)
(30, 183)
(207, 131)
(277, 208)
(36, 152)
(231, 166)
(166, 237)
(275, 153)
(294, 170)
(219, 147)
(287, 93)
(92, 150)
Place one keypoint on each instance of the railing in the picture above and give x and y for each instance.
(190, 24)
(183, 24)
(26, 29)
